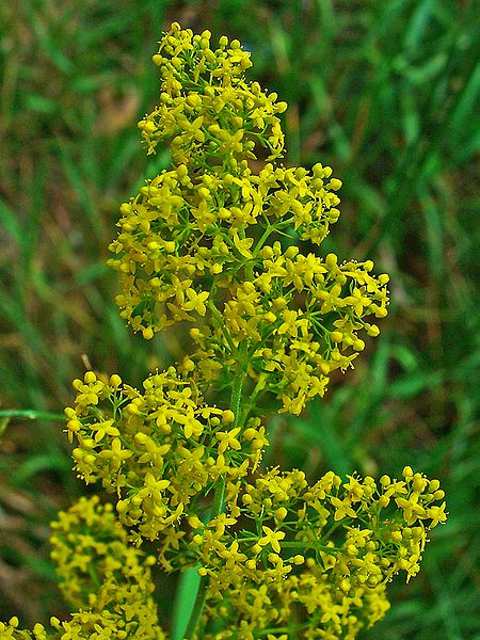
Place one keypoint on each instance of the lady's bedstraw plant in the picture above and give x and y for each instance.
(225, 242)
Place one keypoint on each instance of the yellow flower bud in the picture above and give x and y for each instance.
(228, 416)
(281, 513)
(115, 380)
(147, 333)
(335, 184)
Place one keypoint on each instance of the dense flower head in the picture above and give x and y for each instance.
(211, 251)
(207, 112)
(102, 575)
(295, 323)
(108, 579)
(93, 556)
(128, 619)
(156, 449)
(363, 529)
(226, 243)
(324, 551)
(229, 243)
(184, 233)
(11, 631)
(308, 604)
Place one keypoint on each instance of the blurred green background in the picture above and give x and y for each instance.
(388, 93)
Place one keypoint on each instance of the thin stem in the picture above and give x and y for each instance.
(296, 544)
(236, 397)
(288, 629)
(31, 414)
(271, 228)
(259, 387)
(268, 231)
(218, 507)
(219, 498)
(292, 544)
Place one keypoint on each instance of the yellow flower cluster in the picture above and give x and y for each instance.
(156, 449)
(305, 605)
(107, 578)
(11, 631)
(207, 112)
(92, 553)
(213, 242)
(333, 544)
(287, 557)
(226, 241)
(322, 554)
(184, 232)
(102, 575)
(294, 324)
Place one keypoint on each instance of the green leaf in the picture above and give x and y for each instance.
(3, 425)
(185, 597)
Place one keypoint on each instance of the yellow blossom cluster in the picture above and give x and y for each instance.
(272, 547)
(307, 605)
(207, 112)
(321, 553)
(295, 324)
(91, 551)
(107, 579)
(226, 243)
(185, 231)
(156, 449)
(11, 631)
(213, 241)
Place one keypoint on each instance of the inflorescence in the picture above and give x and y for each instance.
(224, 244)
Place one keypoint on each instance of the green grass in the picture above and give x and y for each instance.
(386, 92)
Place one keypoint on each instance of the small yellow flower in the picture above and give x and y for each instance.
(228, 440)
(437, 514)
(343, 509)
(196, 301)
(271, 538)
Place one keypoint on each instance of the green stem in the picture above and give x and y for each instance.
(219, 498)
(217, 509)
(185, 597)
(268, 231)
(236, 397)
(291, 544)
(288, 629)
(271, 228)
(201, 596)
(191, 585)
(259, 387)
(31, 414)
